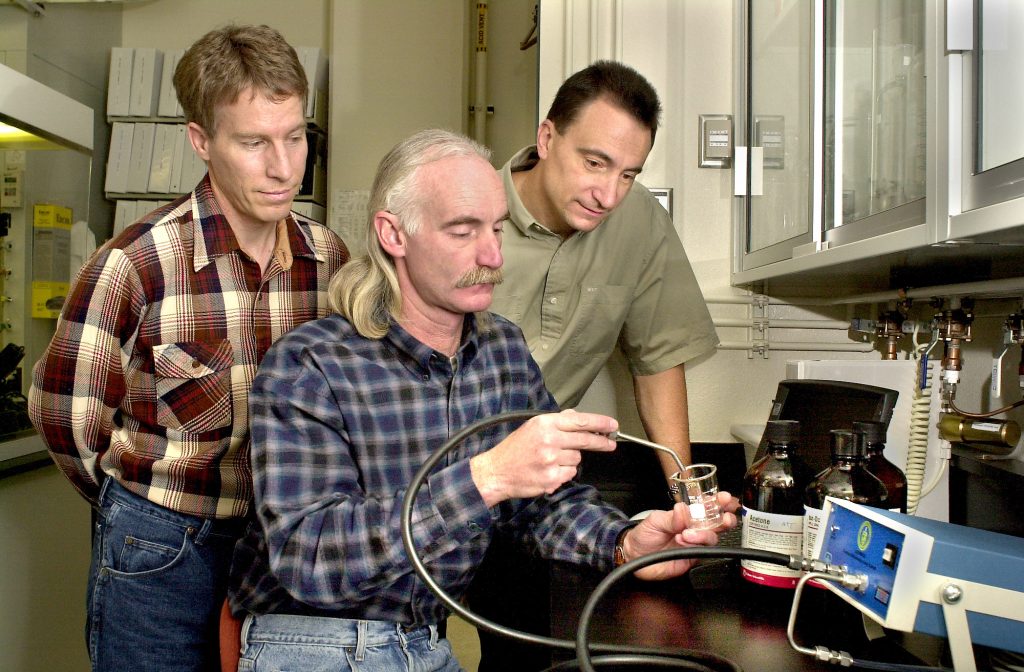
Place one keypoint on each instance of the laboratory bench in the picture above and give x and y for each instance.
(712, 609)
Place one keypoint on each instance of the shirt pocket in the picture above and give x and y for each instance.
(193, 385)
(599, 318)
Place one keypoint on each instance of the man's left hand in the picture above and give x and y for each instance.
(663, 530)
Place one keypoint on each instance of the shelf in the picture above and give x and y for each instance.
(317, 122)
(304, 198)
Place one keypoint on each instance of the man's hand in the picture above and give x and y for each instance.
(540, 456)
(663, 530)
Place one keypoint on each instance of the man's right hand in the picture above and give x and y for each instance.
(541, 455)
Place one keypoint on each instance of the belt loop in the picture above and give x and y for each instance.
(243, 642)
(361, 628)
(403, 637)
(203, 532)
(104, 487)
(433, 637)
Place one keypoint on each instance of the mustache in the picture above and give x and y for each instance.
(481, 276)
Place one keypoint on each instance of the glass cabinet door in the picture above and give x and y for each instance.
(994, 105)
(836, 105)
(779, 64)
(875, 117)
(999, 86)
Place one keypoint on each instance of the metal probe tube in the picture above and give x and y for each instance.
(650, 444)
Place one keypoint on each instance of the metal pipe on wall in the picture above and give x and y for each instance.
(480, 88)
(800, 347)
(780, 323)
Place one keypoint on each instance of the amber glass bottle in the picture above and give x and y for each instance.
(872, 434)
(847, 478)
(772, 502)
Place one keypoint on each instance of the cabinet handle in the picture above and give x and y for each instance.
(959, 25)
(739, 171)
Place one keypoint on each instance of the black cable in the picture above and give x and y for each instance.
(582, 648)
(698, 660)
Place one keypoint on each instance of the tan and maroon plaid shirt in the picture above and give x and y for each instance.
(147, 377)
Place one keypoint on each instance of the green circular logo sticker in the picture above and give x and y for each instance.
(864, 535)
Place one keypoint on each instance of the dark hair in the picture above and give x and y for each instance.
(225, 62)
(620, 84)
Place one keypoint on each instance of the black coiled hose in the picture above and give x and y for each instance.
(686, 659)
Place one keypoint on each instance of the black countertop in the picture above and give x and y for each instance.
(713, 609)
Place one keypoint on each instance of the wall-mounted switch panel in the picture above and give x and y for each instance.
(716, 141)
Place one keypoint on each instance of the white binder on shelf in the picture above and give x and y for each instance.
(119, 86)
(119, 157)
(314, 62)
(163, 154)
(168, 105)
(182, 149)
(142, 157)
(146, 75)
(146, 207)
(124, 215)
(196, 169)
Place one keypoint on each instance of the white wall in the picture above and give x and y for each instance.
(175, 24)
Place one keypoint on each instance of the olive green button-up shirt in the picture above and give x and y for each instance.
(628, 282)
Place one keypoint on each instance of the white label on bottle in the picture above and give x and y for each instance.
(812, 525)
(775, 532)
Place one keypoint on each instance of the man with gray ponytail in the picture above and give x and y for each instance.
(347, 408)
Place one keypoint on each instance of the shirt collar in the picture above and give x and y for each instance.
(422, 354)
(524, 159)
(214, 238)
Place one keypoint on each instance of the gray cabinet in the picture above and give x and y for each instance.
(892, 158)
(986, 138)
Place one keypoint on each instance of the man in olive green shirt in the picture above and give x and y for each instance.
(592, 260)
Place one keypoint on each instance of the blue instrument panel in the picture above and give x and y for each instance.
(865, 547)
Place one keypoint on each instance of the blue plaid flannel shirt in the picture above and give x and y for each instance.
(341, 423)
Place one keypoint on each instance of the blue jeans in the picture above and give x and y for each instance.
(156, 585)
(274, 642)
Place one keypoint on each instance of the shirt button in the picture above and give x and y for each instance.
(195, 364)
(554, 299)
(544, 347)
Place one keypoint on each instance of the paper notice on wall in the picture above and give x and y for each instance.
(349, 210)
(51, 256)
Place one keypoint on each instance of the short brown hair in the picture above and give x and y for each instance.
(615, 82)
(225, 62)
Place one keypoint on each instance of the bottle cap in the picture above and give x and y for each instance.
(845, 444)
(782, 431)
(873, 431)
